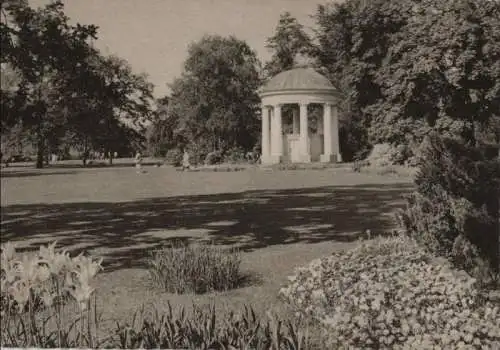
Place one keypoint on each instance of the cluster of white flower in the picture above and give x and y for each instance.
(389, 293)
(47, 276)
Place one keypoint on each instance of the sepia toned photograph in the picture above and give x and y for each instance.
(250, 174)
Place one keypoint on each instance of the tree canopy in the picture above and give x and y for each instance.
(214, 102)
(290, 45)
(410, 66)
(66, 89)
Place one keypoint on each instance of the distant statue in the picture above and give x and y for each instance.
(185, 161)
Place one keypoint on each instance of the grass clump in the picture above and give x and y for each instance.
(196, 268)
(204, 328)
(389, 293)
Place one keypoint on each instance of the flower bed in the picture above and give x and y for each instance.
(217, 168)
(389, 293)
(48, 301)
(39, 292)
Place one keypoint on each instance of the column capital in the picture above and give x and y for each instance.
(304, 104)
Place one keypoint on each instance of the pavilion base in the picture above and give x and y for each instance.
(305, 158)
(330, 158)
(272, 159)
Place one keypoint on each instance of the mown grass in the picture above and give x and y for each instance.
(122, 291)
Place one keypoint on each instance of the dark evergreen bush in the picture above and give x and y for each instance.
(173, 157)
(454, 210)
(235, 155)
(213, 158)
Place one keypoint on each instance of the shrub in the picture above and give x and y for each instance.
(195, 268)
(353, 137)
(380, 155)
(400, 154)
(198, 151)
(385, 154)
(235, 155)
(174, 157)
(390, 293)
(38, 295)
(213, 158)
(455, 204)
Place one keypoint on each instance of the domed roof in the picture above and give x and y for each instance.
(297, 79)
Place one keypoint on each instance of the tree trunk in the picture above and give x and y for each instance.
(40, 152)
(47, 157)
(496, 235)
(110, 158)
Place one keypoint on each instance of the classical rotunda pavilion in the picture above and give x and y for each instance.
(293, 139)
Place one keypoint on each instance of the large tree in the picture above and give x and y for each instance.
(68, 91)
(111, 97)
(289, 45)
(214, 103)
(161, 132)
(449, 79)
(12, 135)
(409, 66)
(44, 49)
(351, 41)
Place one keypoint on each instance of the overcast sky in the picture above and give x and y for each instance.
(153, 35)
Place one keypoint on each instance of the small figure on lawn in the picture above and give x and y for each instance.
(138, 162)
(185, 161)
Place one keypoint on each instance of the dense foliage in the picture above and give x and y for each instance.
(390, 294)
(213, 104)
(65, 91)
(159, 134)
(290, 45)
(407, 66)
(454, 210)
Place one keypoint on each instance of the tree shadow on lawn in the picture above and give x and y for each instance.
(24, 173)
(125, 233)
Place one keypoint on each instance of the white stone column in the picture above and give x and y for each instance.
(265, 135)
(276, 135)
(327, 156)
(331, 152)
(304, 134)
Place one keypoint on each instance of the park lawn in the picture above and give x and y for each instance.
(279, 219)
